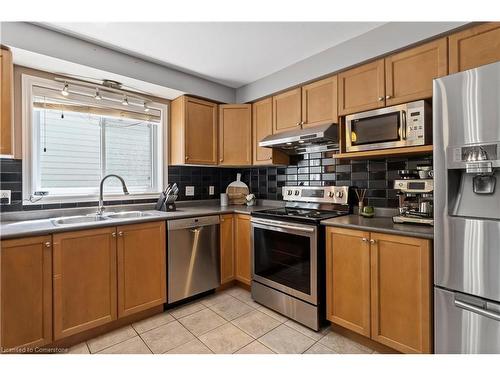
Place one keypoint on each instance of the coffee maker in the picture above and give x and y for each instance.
(415, 195)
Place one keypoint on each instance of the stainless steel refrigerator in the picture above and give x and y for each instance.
(466, 130)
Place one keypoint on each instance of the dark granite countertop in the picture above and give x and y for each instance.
(26, 225)
(381, 225)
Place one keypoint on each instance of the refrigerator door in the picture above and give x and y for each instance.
(465, 324)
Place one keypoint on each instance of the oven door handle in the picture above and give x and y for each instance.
(284, 226)
(484, 312)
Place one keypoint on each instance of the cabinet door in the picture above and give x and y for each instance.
(401, 292)
(84, 280)
(362, 88)
(142, 281)
(242, 249)
(226, 248)
(26, 292)
(319, 102)
(262, 119)
(287, 113)
(235, 134)
(409, 74)
(200, 138)
(474, 47)
(348, 279)
(6, 79)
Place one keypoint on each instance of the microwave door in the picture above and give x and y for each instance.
(376, 130)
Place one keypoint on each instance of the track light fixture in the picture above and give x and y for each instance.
(125, 100)
(97, 95)
(64, 91)
(146, 108)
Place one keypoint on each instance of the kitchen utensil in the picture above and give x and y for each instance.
(425, 171)
(161, 202)
(224, 199)
(237, 191)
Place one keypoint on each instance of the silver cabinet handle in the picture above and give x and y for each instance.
(477, 310)
(388, 96)
(373, 241)
(47, 244)
(380, 98)
(364, 239)
(187, 157)
(120, 234)
(113, 234)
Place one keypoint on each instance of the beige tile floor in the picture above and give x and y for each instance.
(222, 323)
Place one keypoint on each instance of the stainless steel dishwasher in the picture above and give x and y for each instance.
(193, 256)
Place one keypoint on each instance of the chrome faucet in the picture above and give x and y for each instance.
(100, 208)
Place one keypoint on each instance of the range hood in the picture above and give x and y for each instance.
(315, 139)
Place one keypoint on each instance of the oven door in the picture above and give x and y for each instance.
(284, 257)
(377, 129)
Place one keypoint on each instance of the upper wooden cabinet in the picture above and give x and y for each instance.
(262, 126)
(348, 279)
(380, 286)
(6, 102)
(235, 134)
(242, 248)
(474, 47)
(226, 248)
(287, 111)
(84, 280)
(26, 292)
(409, 74)
(362, 88)
(319, 102)
(193, 131)
(401, 284)
(142, 281)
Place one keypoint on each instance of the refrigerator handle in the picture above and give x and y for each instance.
(478, 310)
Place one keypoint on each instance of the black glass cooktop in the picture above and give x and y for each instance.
(298, 214)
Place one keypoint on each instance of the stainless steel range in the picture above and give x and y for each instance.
(467, 211)
(288, 252)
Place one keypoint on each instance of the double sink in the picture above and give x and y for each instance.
(93, 218)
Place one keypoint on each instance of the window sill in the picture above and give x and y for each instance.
(88, 198)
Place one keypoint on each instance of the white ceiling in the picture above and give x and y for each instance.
(231, 53)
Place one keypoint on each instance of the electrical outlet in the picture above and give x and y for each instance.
(211, 190)
(4, 196)
(189, 191)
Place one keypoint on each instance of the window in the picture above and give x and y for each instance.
(74, 142)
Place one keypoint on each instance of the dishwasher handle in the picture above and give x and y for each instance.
(193, 223)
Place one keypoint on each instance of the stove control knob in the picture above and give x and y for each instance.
(289, 192)
(297, 192)
(331, 194)
(339, 194)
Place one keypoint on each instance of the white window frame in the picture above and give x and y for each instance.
(30, 173)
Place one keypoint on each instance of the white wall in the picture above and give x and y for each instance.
(33, 38)
(382, 40)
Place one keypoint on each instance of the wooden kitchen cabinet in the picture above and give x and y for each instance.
(409, 74)
(227, 262)
(235, 134)
(142, 281)
(6, 102)
(362, 88)
(319, 102)
(287, 111)
(26, 292)
(242, 248)
(193, 131)
(262, 126)
(348, 279)
(380, 286)
(475, 46)
(84, 280)
(401, 282)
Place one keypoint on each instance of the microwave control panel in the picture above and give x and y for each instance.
(415, 127)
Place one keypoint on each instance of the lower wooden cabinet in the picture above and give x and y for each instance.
(226, 248)
(141, 267)
(84, 279)
(380, 286)
(242, 247)
(26, 292)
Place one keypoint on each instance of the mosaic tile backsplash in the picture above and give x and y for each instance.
(317, 169)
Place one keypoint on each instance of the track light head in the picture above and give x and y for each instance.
(125, 100)
(97, 95)
(146, 108)
(64, 91)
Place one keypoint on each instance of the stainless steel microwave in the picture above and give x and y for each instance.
(397, 126)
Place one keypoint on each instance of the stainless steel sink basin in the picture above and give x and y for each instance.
(128, 214)
(82, 219)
